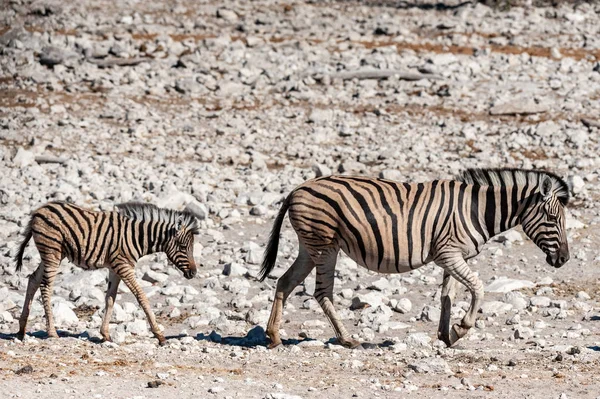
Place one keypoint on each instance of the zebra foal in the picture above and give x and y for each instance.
(93, 240)
(393, 227)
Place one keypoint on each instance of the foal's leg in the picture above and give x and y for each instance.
(50, 270)
(456, 267)
(301, 267)
(324, 295)
(127, 273)
(111, 293)
(32, 286)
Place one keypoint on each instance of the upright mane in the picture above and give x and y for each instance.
(509, 177)
(151, 212)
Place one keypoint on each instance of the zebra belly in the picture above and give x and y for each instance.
(388, 263)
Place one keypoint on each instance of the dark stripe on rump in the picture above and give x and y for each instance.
(336, 207)
(71, 231)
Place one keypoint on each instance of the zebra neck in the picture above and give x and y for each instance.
(153, 236)
(503, 208)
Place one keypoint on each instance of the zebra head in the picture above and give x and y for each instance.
(543, 220)
(180, 249)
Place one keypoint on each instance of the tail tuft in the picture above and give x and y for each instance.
(270, 256)
(26, 237)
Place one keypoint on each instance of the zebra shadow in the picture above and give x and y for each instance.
(43, 335)
(257, 337)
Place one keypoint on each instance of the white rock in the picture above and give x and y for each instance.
(540, 301)
(137, 327)
(380, 285)
(433, 365)
(391, 174)
(155, 277)
(430, 313)
(504, 284)
(373, 299)
(234, 269)
(516, 299)
(23, 158)
(227, 15)
(523, 333)
(64, 315)
(495, 308)
(576, 183)
(418, 339)
(321, 170)
(404, 305)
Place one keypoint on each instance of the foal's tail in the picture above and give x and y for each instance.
(26, 237)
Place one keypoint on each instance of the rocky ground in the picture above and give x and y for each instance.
(230, 105)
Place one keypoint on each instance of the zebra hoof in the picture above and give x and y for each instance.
(350, 343)
(274, 345)
(456, 333)
(20, 336)
(162, 341)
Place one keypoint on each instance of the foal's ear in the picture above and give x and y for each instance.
(546, 187)
(179, 223)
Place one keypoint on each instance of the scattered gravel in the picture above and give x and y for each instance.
(221, 109)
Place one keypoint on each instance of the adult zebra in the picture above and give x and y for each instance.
(393, 227)
(94, 240)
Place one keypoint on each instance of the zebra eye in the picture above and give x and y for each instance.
(552, 218)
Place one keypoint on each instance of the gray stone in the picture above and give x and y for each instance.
(504, 284)
(321, 170)
(228, 15)
(64, 315)
(519, 106)
(404, 305)
(197, 209)
(540, 301)
(430, 313)
(234, 269)
(433, 365)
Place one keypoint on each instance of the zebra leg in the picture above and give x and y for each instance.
(111, 293)
(32, 286)
(324, 295)
(458, 269)
(301, 267)
(50, 270)
(126, 272)
(449, 288)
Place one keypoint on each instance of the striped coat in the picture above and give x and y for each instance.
(393, 227)
(115, 240)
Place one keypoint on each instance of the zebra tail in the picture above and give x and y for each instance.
(270, 256)
(27, 236)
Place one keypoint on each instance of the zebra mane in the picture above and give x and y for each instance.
(151, 212)
(509, 177)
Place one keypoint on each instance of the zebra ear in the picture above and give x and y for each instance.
(179, 223)
(546, 188)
